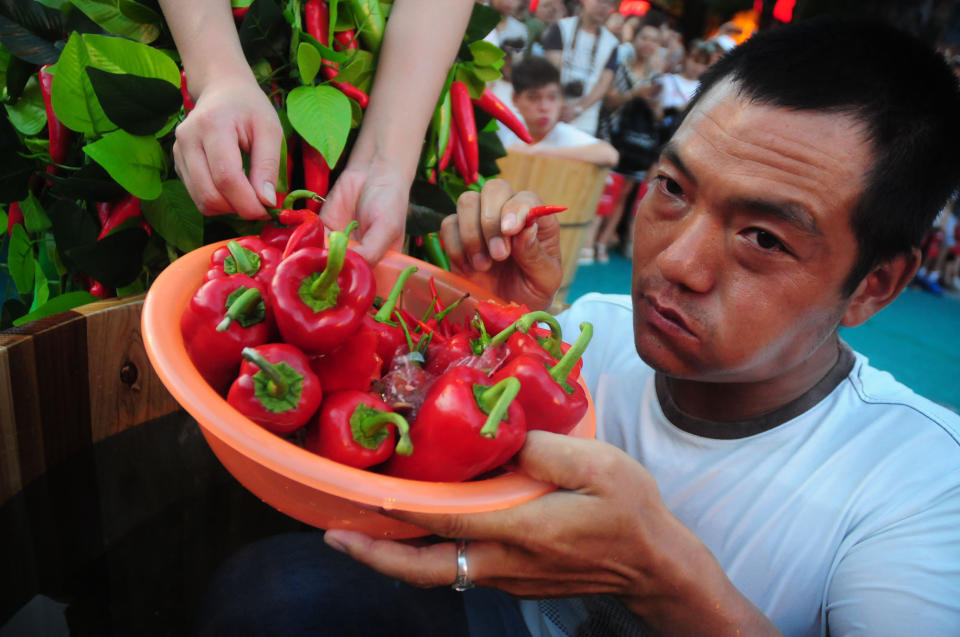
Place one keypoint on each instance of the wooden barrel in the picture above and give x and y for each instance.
(69, 381)
(563, 182)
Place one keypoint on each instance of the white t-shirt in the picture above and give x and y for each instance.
(838, 514)
(677, 90)
(562, 135)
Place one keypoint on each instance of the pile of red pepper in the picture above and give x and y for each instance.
(286, 326)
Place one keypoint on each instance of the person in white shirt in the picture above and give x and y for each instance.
(538, 97)
(679, 88)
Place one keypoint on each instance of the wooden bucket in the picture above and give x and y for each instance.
(69, 381)
(563, 182)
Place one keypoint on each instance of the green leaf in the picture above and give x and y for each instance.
(56, 305)
(138, 105)
(175, 217)
(321, 116)
(19, 73)
(4, 219)
(34, 216)
(308, 62)
(486, 53)
(136, 287)
(108, 14)
(41, 290)
(467, 74)
(240, 4)
(28, 114)
(74, 101)
(359, 70)
(90, 182)
(25, 44)
(326, 52)
(118, 55)
(116, 260)
(486, 74)
(135, 162)
(20, 260)
(283, 179)
(482, 21)
(263, 32)
(15, 171)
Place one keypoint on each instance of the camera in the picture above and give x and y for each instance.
(573, 89)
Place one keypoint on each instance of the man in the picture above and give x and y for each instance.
(538, 97)
(752, 475)
(586, 54)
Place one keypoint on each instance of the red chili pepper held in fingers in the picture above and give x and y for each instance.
(58, 134)
(320, 296)
(466, 426)
(466, 126)
(541, 211)
(187, 100)
(357, 429)
(276, 388)
(316, 174)
(549, 401)
(248, 255)
(494, 107)
(224, 316)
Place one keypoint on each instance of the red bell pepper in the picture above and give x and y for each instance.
(316, 174)
(466, 126)
(388, 333)
(499, 316)
(549, 401)
(320, 295)
(58, 134)
(460, 349)
(277, 233)
(14, 216)
(247, 255)
(493, 106)
(224, 316)
(466, 426)
(275, 388)
(357, 429)
(188, 104)
(354, 364)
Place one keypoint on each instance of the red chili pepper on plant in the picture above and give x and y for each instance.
(493, 106)
(466, 127)
(58, 134)
(276, 388)
(550, 402)
(14, 217)
(247, 255)
(316, 174)
(357, 429)
(466, 426)
(188, 104)
(224, 316)
(320, 296)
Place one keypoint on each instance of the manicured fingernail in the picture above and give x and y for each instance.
(269, 191)
(498, 249)
(480, 262)
(510, 222)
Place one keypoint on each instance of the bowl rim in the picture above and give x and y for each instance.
(171, 292)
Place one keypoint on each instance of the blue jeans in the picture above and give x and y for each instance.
(294, 584)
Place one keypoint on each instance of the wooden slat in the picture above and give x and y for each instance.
(9, 448)
(124, 389)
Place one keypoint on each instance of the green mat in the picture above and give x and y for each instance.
(916, 338)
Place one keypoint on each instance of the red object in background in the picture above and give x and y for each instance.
(187, 100)
(316, 174)
(534, 5)
(782, 10)
(495, 108)
(610, 193)
(634, 7)
(14, 216)
(113, 214)
(58, 134)
(466, 127)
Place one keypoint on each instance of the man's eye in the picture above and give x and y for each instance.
(670, 186)
(767, 240)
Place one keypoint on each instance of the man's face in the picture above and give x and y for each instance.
(647, 41)
(599, 10)
(743, 240)
(540, 108)
(506, 7)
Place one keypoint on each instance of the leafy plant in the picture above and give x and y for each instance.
(92, 91)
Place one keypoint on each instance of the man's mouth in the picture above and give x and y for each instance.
(664, 316)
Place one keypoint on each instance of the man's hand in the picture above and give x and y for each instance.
(487, 242)
(231, 116)
(605, 530)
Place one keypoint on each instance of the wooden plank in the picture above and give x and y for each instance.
(124, 389)
(10, 482)
(21, 365)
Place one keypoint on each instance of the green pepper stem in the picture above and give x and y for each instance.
(383, 314)
(240, 306)
(367, 422)
(300, 194)
(335, 256)
(495, 401)
(439, 316)
(527, 321)
(564, 366)
(406, 330)
(240, 258)
(278, 385)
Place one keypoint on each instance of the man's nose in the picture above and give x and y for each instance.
(692, 259)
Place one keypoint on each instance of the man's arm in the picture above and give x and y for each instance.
(600, 153)
(597, 92)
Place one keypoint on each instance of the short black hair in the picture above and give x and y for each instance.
(533, 72)
(900, 89)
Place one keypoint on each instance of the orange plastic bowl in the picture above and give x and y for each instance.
(303, 485)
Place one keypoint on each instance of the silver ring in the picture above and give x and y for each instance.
(463, 581)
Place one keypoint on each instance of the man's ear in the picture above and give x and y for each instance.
(880, 287)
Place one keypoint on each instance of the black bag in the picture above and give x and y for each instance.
(636, 136)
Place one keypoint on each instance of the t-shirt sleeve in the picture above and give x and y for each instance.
(904, 580)
(553, 41)
(612, 61)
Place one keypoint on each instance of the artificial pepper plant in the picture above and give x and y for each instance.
(93, 90)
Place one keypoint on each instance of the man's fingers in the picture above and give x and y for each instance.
(494, 195)
(226, 171)
(265, 160)
(425, 566)
(450, 235)
(471, 233)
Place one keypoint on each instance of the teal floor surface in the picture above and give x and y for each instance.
(916, 338)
